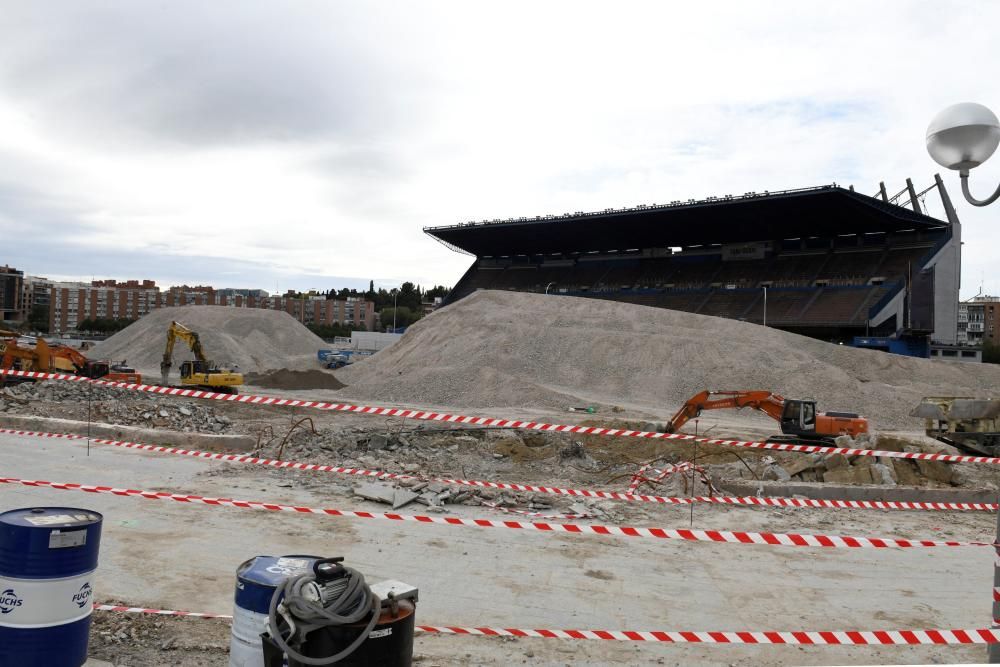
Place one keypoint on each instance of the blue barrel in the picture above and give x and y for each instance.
(48, 556)
(256, 581)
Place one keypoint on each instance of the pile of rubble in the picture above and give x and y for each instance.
(256, 340)
(601, 353)
(80, 401)
(60, 391)
(436, 495)
(837, 468)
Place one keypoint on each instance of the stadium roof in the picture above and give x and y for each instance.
(824, 211)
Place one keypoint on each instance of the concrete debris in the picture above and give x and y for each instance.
(435, 496)
(380, 493)
(849, 475)
(834, 461)
(402, 498)
(886, 471)
(77, 401)
(574, 450)
(936, 470)
(378, 441)
(882, 474)
(775, 472)
(906, 472)
(802, 464)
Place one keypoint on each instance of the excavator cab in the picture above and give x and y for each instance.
(798, 418)
(190, 368)
(95, 369)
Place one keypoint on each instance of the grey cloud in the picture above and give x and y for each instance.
(55, 257)
(197, 73)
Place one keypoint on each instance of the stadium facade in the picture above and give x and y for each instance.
(826, 262)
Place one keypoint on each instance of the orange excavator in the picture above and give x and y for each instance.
(57, 358)
(800, 423)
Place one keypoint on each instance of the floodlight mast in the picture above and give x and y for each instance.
(961, 138)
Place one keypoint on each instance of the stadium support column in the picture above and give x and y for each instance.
(948, 274)
(914, 202)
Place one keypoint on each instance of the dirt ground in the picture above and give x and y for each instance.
(435, 450)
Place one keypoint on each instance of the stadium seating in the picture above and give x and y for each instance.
(811, 287)
(730, 303)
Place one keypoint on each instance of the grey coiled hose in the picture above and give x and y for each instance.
(350, 600)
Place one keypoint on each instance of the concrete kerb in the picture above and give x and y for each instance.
(187, 440)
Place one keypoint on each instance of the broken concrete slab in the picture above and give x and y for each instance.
(379, 493)
(882, 474)
(844, 441)
(775, 472)
(851, 475)
(803, 463)
(402, 498)
(939, 472)
(906, 472)
(429, 499)
(834, 461)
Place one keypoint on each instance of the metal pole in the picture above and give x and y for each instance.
(993, 650)
(395, 293)
(90, 394)
(964, 176)
(765, 305)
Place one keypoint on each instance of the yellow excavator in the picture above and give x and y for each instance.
(201, 372)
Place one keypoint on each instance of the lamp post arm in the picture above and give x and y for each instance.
(964, 175)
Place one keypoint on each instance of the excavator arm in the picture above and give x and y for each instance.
(770, 404)
(178, 330)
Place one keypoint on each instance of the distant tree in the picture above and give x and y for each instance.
(436, 291)
(103, 325)
(409, 296)
(330, 330)
(404, 316)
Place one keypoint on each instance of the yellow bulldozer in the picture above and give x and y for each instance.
(201, 372)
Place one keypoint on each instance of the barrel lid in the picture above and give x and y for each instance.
(50, 517)
(273, 570)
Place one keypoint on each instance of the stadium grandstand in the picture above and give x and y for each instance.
(826, 262)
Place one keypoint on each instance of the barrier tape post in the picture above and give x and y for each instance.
(993, 652)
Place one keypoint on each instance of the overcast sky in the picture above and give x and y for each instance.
(305, 144)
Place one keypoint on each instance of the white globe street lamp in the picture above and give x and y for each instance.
(962, 137)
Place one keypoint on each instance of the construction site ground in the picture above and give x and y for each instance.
(172, 555)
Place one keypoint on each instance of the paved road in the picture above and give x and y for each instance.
(181, 556)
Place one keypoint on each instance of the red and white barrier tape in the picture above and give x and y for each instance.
(637, 479)
(828, 637)
(752, 501)
(499, 423)
(685, 468)
(734, 537)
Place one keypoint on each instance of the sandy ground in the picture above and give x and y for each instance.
(182, 556)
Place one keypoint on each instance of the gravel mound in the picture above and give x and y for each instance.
(286, 379)
(254, 339)
(514, 349)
